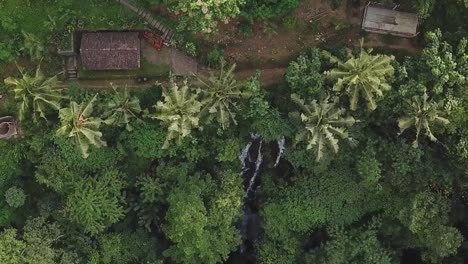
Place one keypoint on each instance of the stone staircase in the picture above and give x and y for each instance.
(166, 32)
(71, 68)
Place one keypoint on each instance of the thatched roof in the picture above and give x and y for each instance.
(110, 50)
(389, 21)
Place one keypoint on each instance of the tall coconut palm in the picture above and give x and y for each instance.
(179, 111)
(77, 123)
(36, 92)
(324, 124)
(366, 75)
(122, 109)
(220, 96)
(422, 114)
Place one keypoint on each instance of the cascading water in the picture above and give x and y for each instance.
(251, 159)
(281, 147)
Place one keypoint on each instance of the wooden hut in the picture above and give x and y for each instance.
(389, 21)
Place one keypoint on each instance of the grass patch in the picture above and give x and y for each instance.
(147, 70)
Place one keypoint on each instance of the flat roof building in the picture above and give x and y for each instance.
(389, 21)
(110, 51)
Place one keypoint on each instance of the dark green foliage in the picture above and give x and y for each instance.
(360, 245)
(304, 76)
(265, 9)
(10, 164)
(124, 248)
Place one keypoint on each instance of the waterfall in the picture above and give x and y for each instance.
(250, 192)
(281, 147)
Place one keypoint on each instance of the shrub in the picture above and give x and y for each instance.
(15, 197)
(215, 57)
(191, 49)
(289, 22)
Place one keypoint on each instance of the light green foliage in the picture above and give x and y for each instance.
(427, 218)
(146, 141)
(228, 150)
(34, 46)
(369, 169)
(422, 114)
(354, 246)
(64, 166)
(12, 248)
(315, 199)
(304, 76)
(203, 15)
(151, 189)
(40, 238)
(122, 109)
(78, 123)
(37, 94)
(330, 196)
(221, 94)
(36, 246)
(179, 112)
(363, 76)
(447, 66)
(201, 219)
(324, 124)
(191, 49)
(15, 197)
(264, 119)
(95, 203)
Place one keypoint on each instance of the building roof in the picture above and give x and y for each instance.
(382, 20)
(110, 50)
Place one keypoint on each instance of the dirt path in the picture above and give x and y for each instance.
(268, 77)
(272, 45)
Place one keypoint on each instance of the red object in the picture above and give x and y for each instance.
(154, 39)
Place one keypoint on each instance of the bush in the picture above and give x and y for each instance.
(245, 30)
(289, 22)
(191, 49)
(15, 197)
(261, 9)
(215, 57)
(304, 76)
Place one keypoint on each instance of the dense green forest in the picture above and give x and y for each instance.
(355, 156)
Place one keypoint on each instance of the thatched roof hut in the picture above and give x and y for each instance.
(110, 50)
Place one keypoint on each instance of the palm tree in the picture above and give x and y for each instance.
(324, 125)
(122, 109)
(77, 123)
(422, 114)
(366, 76)
(179, 112)
(220, 95)
(36, 92)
